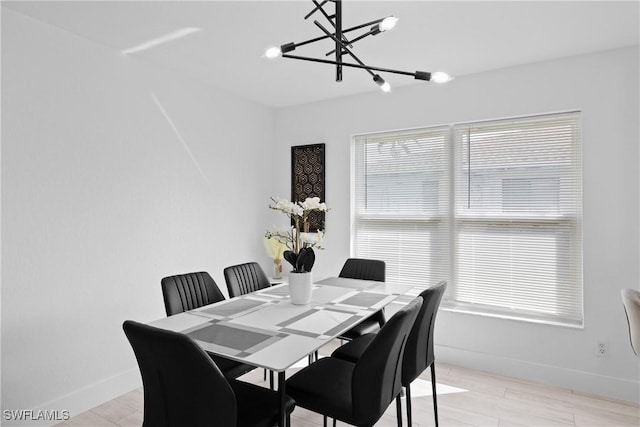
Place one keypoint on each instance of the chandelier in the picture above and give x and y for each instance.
(343, 45)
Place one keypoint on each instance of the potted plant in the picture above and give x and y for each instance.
(300, 243)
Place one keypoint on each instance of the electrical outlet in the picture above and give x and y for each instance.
(602, 349)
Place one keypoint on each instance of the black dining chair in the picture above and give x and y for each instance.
(184, 292)
(418, 353)
(359, 392)
(184, 387)
(243, 279)
(364, 269)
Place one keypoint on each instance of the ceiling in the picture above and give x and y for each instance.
(457, 37)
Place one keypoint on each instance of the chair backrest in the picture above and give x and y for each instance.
(364, 269)
(182, 385)
(418, 354)
(188, 291)
(376, 378)
(245, 278)
(631, 301)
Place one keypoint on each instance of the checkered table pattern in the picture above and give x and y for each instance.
(265, 330)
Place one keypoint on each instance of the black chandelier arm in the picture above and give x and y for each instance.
(357, 27)
(360, 37)
(374, 30)
(340, 47)
(315, 9)
(321, 9)
(420, 75)
(337, 38)
(315, 39)
(337, 25)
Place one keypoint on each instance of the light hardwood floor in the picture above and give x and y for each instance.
(467, 398)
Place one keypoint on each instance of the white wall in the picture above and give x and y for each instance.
(101, 199)
(605, 87)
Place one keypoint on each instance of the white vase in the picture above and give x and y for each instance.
(300, 287)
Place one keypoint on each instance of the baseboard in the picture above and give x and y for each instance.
(80, 400)
(581, 381)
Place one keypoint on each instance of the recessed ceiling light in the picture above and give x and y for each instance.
(183, 32)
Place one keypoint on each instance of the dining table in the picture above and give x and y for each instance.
(264, 329)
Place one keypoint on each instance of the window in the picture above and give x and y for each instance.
(517, 234)
(506, 233)
(401, 211)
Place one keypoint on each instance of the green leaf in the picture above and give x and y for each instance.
(291, 258)
(305, 261)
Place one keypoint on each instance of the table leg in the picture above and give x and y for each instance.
(282, 393)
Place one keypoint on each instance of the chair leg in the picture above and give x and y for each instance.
(324, 421)
(433, 390)
(334, 422)
(264, 374)
(399, 409)
(271, 380)
(408, 399)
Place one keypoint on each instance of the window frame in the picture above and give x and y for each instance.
(559, 222)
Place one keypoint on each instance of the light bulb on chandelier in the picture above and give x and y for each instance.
(384, 85)
(440, 77)
(388, 23)
(273, 52)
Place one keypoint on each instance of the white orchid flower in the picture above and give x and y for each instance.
(287, 207)
(313, 204)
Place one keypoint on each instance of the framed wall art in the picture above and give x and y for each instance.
(308, 178)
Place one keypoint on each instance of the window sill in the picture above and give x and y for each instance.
(519, 317)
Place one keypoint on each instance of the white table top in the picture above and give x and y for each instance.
(264, 329)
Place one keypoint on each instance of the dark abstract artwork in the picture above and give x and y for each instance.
(307, 178)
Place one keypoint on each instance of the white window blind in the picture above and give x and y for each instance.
(401, 204)
(506, 233)
(518, 211)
